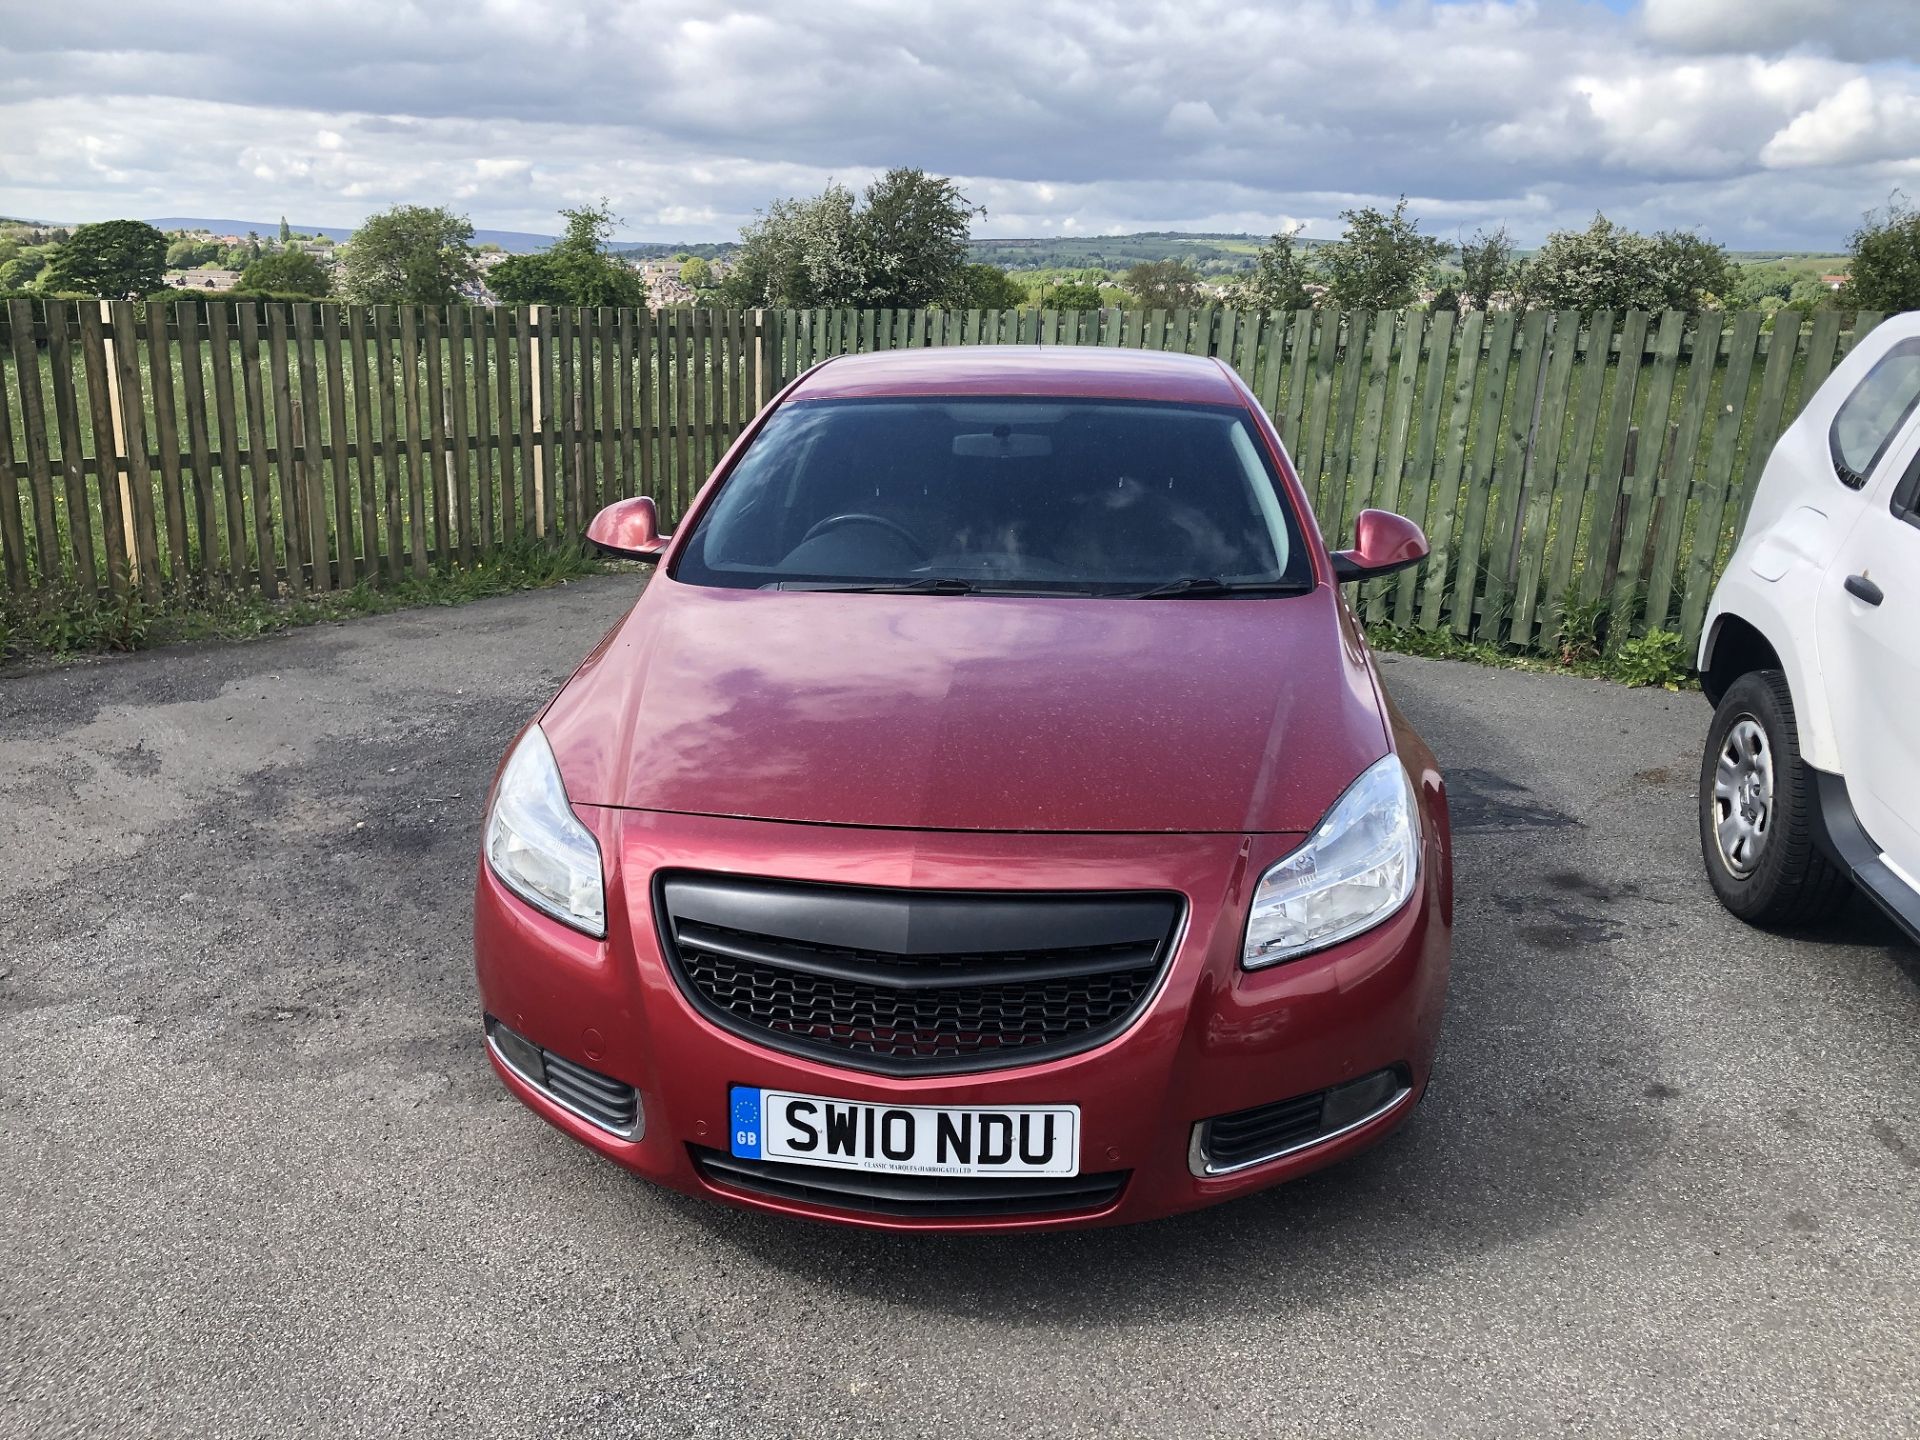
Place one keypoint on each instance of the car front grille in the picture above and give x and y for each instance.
(923, 982)
(929, 1197)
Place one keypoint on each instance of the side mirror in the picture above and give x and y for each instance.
(1383, 542)
(629, 529)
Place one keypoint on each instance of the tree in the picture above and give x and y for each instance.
(1074, 295)
(799, 254)
(988, 287)
(287, 272)
(1886, 260)
(696, 274)
(1761, 287)
(1486, 268)
(1279, 277)
(17, 273)
(912, 233)
(576, 270)
(286, 231)
(1163, 284)
(1690, 270)
(410, 255)
(114, 260)
(1381, 261)
(902, 245)
(1607, 266)
(184, 252)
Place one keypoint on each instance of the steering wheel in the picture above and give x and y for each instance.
(857, 517)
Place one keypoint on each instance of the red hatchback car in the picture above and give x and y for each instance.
(989, 816)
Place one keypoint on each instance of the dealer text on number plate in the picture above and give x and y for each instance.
(905, 1139)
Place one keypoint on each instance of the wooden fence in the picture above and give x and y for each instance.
(1597, 465)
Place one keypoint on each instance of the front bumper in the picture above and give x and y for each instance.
(1214, 1040)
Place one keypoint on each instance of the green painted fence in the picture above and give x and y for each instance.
(1594, 465)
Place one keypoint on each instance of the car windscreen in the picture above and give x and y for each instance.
(1038, 495)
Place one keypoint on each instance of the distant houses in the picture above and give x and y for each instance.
(659, 273)
(202, 279)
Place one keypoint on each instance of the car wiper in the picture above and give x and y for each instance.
(931, 585)
(1207, 587)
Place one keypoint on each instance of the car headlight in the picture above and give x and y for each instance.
(1354, 871)
(537, 845)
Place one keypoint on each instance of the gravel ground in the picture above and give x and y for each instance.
(259, 1181)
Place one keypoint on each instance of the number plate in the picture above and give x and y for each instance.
(905, 1139)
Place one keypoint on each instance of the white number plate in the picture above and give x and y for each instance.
(905, 1139)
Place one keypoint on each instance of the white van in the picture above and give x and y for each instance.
(1811, 657)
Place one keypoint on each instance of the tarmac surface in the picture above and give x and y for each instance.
(258, 1179)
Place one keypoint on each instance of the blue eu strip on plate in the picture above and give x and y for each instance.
(746, 1122)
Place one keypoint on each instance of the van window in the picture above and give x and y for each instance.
(1872, 415)
(1906, 498)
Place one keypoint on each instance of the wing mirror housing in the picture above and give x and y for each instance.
(629, 529)
(1383, 542)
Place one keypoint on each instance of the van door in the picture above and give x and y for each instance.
(1867, 620)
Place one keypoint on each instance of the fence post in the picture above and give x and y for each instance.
(765, 370)
(108, 454)
(294, 456)
(538, 320)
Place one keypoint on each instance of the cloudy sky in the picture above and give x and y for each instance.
(1763, 122)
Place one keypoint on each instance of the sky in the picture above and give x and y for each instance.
(1762, 123)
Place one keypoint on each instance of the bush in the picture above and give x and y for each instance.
(1609, 267)
(1658, 657)
(1885, 274)
(1578, 627)
(65, 622)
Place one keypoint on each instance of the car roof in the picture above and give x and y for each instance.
(1093, 372)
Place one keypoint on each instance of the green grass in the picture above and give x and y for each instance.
(1656, 659)
(65, 623)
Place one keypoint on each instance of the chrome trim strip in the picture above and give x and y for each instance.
(1204, 1169)
(633, 1132)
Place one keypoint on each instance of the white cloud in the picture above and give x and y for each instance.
(1059, 115)
(1859, 122)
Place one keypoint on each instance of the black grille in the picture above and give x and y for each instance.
(929, 1197)
(1264, 1130)
(915, 981)
(611, 1104)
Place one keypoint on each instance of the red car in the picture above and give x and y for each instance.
(989, 817)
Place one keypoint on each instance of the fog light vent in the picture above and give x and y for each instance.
(601, 1100)
(1267, 1132)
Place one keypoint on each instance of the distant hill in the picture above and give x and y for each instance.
(1213, 252)
(1210, 252)
(659, 249)
(1222, 253)
(518, 242)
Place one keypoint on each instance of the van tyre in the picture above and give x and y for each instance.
(1757, 802)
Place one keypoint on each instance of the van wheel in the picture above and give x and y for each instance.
(1756, 808)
